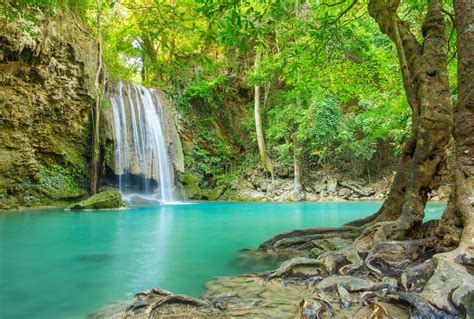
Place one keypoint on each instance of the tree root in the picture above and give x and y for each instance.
(289, 265)
(392, 258)
(300, 236)
(182, 299)
(451, 286)
(423, 308)
(344, 261)
(414, 278)
(314, 307)
(381, 232)
(436, 286)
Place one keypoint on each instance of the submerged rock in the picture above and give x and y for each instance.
(103, 200)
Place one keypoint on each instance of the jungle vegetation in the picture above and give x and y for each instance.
(327, 84)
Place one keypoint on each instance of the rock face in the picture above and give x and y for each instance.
(103, 200)
(46, 77)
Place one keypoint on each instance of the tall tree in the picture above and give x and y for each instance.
(425, 79)
(452, 283)
(464, 122)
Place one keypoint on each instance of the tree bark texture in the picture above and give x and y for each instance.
(425, 79)
(258, 123)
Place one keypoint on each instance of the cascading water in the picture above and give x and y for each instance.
(140, 149)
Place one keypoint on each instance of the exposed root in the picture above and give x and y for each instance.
(289, 265)
(299, 236)
(451, 286)
(344, 296)
(435, 286)
(350, 283)
(343, 261)
(181, 299)
(355, 263)
(379, 311)
(414, 278)
(423, 308)
(381, 232)
(314, 307)
(394, 257)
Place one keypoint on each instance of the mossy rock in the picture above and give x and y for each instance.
(191, 184)
(103, 200)
(330, 244)
(213, 194)
(57, 183)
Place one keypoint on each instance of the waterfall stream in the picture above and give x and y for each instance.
(140, 149)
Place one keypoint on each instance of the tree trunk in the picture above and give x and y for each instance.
(455, 292)
(464, 120)
(424, 73)
(298, 190)
(457, 222)
(96, 113)
(258, 124)
(152, 52)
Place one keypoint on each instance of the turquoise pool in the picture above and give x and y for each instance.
(57, 264)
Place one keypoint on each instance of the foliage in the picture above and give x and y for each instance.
(209, 156)
(59, 183)
(26, 8)
(331, 85)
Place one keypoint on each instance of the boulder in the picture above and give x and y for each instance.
(344, 192)
(332, 185)
(318, 188)
(312, 197)
(103, 200)
(443, 192)
(191, 184)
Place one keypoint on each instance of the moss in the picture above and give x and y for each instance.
(215, 193)
(7, 202)
(191, 184)
(233, 196)
(75, 160)
(58, 183)
(109, 155)
(103, 200)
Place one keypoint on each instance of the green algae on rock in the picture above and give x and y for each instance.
(103, 200)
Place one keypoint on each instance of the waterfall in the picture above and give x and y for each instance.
(140, 149)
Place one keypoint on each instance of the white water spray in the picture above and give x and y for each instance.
(140, 154)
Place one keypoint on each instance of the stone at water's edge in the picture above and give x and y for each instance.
(103, 200)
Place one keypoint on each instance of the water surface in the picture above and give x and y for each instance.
(56, 264)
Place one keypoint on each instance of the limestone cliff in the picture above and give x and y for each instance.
(46, 73)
